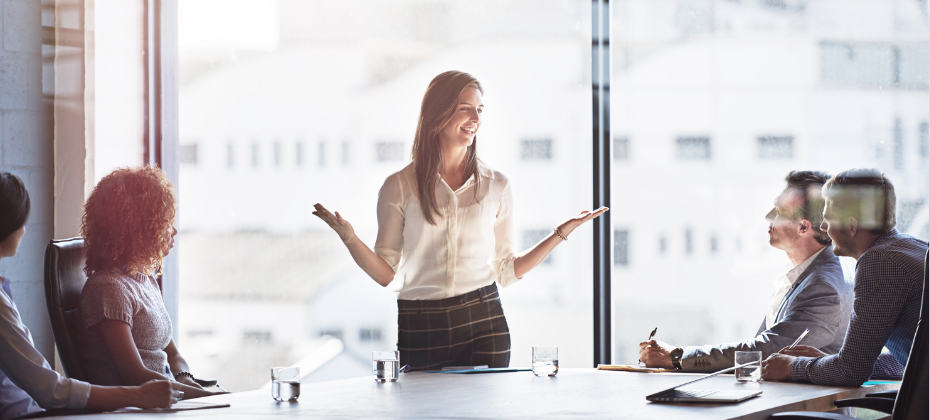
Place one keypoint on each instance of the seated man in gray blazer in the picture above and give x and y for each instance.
(814, 294)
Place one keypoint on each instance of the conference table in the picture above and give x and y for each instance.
(573, 393)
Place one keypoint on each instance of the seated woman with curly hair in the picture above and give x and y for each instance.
(128, 228)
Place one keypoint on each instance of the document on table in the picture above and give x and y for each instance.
(180, 406)
(634, 368)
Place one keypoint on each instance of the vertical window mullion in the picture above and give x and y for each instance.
(602, 155)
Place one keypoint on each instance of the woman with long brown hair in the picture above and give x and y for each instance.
(445, 236)
(128, 228)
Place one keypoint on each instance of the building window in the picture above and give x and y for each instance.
(369, 334)
(276, 149)
(897, 145)
(689, 243)
(299, 153)
(187, 154)
(389, 151)
(621, 247)
(621, 148)
(776, 147)
(536, 149)
(230, 155)
(923, 138)
(663, 245)
(257, 336)
(713, 244)
(874, 64)
(346, 153)
(322, 154)
(334, 333)
(692, 148)
(255, 153)
(531, 237)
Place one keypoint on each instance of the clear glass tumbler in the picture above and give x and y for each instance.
(545, 360)
(750, 373)
(285, 383)
(385, 365)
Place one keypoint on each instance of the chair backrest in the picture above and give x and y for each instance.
(911, 402)
(64, 280)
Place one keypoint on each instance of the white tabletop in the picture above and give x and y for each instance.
(574, 393)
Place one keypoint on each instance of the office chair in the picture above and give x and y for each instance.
(64, 280)
(910, 401)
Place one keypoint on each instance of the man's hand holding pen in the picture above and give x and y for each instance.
(656, 354)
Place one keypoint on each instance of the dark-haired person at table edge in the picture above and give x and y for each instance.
(27, 382)
(812, 295)
(860, 218)
(445, 237)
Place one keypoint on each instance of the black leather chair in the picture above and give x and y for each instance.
(910, 401)
(64, 280)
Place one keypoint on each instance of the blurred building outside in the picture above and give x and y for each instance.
(714, 102)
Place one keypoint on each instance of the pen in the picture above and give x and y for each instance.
(799, 338)
(653, 334)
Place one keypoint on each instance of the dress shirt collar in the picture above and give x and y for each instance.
(796, 272)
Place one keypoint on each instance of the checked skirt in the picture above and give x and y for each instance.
(465, 330)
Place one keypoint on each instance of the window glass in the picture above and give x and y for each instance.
(118, 110)
(720, 100)
(286, 106)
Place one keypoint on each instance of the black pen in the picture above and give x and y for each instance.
(652, 334)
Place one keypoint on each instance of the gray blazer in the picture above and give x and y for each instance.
(821, 300)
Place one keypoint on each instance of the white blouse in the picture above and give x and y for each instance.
(469, 247)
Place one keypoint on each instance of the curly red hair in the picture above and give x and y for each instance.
(128, 221)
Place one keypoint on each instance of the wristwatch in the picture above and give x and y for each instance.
(675, 355)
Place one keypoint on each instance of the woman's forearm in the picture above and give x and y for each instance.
(368, 261)
(532, 257)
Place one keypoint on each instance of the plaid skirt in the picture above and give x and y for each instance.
(465, 330)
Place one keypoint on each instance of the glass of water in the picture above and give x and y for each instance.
(750, 373)
(385, 365)
(285, 383)
(545, 361)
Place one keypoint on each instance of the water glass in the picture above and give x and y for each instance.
(545, 361)
(285, 383)
(750, 373)
(385, 365)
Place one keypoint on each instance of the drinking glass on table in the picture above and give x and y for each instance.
(750, 373)
(545, 360)
(385, 365)
(285, 383)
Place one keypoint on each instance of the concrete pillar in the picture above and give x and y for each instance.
(26, 149)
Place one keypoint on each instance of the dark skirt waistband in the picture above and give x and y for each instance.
(484, 293)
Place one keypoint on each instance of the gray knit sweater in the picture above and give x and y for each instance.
(135, 300)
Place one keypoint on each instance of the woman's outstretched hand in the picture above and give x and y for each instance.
(569, 225)
(335, 221)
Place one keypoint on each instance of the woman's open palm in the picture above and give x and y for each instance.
(570, 224)
(335, 221)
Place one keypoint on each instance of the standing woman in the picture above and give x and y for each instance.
(128, 228)
(445, 236)
(27, 382)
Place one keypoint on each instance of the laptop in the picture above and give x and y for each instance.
(674, 394)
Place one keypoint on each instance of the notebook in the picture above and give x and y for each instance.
(674, 394)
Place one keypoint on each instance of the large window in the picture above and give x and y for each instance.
(719, 100)
(283, 106)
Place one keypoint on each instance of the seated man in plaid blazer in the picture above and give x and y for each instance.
(860, 217)
(813, 295)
